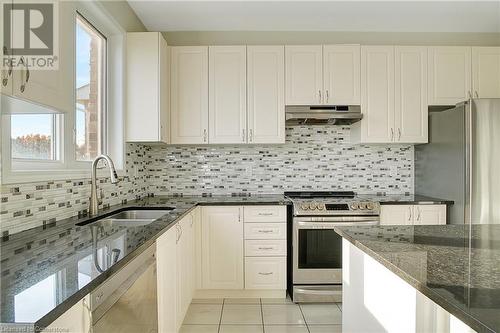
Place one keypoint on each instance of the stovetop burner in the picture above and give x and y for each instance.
(320, 194)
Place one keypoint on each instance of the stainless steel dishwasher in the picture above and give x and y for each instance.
(128, 298)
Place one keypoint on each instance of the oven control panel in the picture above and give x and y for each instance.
(351, 208)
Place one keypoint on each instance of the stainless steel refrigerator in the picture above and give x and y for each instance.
(461, 162)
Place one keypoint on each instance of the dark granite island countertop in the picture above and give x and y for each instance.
(438, 261)
(48, 269)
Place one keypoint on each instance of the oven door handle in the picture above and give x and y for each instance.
(331, 225)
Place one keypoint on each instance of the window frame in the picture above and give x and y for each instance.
(103, 95)
(68, 167)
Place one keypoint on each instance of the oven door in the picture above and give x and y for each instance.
(317, 248)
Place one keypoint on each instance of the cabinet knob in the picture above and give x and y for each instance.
(399, 134)
(327, 96)
(319, 94)
(205, 135)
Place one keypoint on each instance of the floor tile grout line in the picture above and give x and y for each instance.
(305, 321)
(221, 312)
(262, 315)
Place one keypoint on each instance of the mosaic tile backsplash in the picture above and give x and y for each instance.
(313, 158)
(28, 205)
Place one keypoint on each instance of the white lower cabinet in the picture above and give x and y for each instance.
(265, 272)
(76, 320)
(175, 263)
(222, 247)
(265, 247)
(412, 214)
(166, 273)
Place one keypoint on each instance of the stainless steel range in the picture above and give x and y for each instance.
(316, 247)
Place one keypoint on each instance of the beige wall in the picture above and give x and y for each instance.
(124, 15)
(326, 37)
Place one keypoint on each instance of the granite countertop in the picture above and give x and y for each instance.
(408, 199)
(48, 269)
(438, 261)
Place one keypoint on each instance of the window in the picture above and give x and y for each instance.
(90, 91)
(40, 143)
(34, 136)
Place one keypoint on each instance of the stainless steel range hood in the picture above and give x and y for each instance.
(322, 114)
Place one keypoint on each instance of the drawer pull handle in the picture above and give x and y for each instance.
(265, 214)
(266, 248)
(268, 273)
(265, 231)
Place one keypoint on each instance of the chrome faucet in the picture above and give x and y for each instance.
(94, 201)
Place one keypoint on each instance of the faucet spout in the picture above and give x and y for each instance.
(94, 202)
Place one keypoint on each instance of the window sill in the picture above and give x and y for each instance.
(37, 176)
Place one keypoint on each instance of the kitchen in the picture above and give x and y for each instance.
(298, 171)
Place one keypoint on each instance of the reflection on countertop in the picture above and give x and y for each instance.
(46, 270)
(462, 275)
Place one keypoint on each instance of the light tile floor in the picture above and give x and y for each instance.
(252, 315)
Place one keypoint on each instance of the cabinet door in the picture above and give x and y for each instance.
(75, 320)
(166, 263)
(184, 268)
(429, 214)
(146, 87)
(53, 88)
(411, 94)
(449, 74)
(377, 94)
(303, 75)
(396, 214)
(342, 74)
(227, 94)
(486, 72)
(197, 247)
(189, 94)
(266, 94)
(5, 74)
(222, 248)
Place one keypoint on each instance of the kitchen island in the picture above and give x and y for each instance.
(440, 278)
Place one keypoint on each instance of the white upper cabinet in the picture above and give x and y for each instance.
(486, 72)
(322, 74)
(222, 248)
(227, 94)
(266, 94)
(377, 94)
(189, 94)
(341, 74)
(304, 74)
(449, 74)
(147, 88)
(411, 114)
(51, 88)
(393, 95)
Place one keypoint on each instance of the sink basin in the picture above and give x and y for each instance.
(136, 217)
(133, 217)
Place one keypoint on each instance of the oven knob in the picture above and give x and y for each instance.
(304, 206)
(354, 206)
(312, 206)
(370, 206)
(321, 207)
(362, 206)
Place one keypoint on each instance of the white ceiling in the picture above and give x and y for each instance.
(379, 16)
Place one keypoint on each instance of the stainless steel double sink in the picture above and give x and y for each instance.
(132, 217)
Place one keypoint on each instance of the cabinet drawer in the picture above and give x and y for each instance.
(265, 273)
(265, 230)
(264, 214)
(265, 248)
